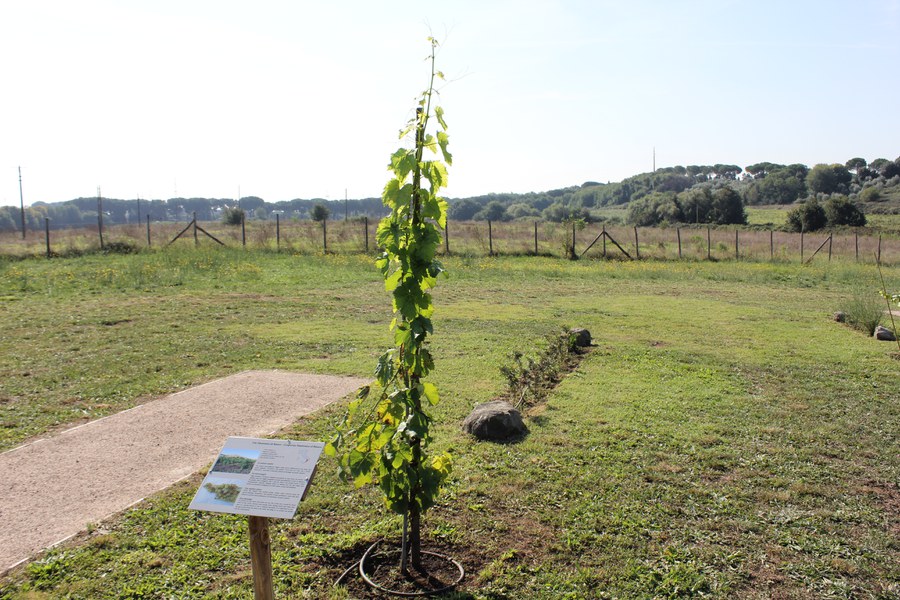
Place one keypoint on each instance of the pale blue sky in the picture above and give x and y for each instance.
(288, 99)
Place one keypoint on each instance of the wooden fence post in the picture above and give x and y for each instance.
(148, 231)
(366, 230)
(856, 235)
(243, 229)
(603, 233)
(801, 244)
(708, 243)
(830, 240)
(737, 255)
(878, 257)
(277, 231)
(678, 233)
(324, 236)
(447, 237)
(47, 233)
(535, 238)
(637, 248)
(771, 244)
(194, 222)
(573, 237)
(490, 240)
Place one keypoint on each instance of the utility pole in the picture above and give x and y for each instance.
(22, 203)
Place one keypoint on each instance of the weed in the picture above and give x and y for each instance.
(864, 311)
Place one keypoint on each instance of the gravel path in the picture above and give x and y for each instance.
(53, 487)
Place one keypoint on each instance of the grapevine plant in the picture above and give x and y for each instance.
(385, 434)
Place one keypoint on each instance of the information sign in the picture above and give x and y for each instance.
(258, 477)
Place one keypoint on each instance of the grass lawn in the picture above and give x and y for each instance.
(724, 438)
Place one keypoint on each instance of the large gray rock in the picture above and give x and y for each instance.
(496, 421)
(884, 334)
(582, 337)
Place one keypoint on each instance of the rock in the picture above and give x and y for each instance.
(495, 420)
(840, 317)
(884, 334)
(582, 337)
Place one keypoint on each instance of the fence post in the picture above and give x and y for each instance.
(603, 233)
(573, 238)
(535, 239)
(196, 240)
(678, 233)
(737, 255)
(490, 240)
(856, 235)
(637, 248)
(447, 237)
(830, 239)
(801, 244)
(879, 249)
(708, 243)
(366, 229)
(277, 231)
(243, 229)
(324, 236)
(47, 233)
(148, 231)
(771, 244)
(99, 218)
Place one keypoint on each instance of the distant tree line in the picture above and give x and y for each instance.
(715, 194)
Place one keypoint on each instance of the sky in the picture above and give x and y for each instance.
(286, 99)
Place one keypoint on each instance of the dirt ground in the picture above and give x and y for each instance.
(55, 486)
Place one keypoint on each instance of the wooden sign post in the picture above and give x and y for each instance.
(261, 558)
(262, 479)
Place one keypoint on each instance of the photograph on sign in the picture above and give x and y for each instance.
(258, 477)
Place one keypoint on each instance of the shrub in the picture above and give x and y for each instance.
(839, 210)
(809, 216)
(232, 216)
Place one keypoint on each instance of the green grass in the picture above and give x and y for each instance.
(725, 438)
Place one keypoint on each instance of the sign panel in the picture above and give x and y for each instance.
(258, 477)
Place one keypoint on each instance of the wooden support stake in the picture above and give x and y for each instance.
(47, 232)
(879, 250)
(678, 233)
(637, 248)
(737, 254)
(243, 229)
(366, 230)
(148, 231)
(324, 236)
(447, 237)
(261, 558)
(771, 244)
(535, 239)
(830, 240)
(604, 234)
(708, 244)
(856, 234)
(278, 231)
(801, 244)
(194, 223)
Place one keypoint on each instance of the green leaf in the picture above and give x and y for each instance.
(429, 390)
(443, 140)
(392, 280)
(403, 161)
(439, 113)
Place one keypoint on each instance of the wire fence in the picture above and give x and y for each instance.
(474, 238)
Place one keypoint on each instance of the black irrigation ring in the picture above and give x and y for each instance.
(361, 565)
